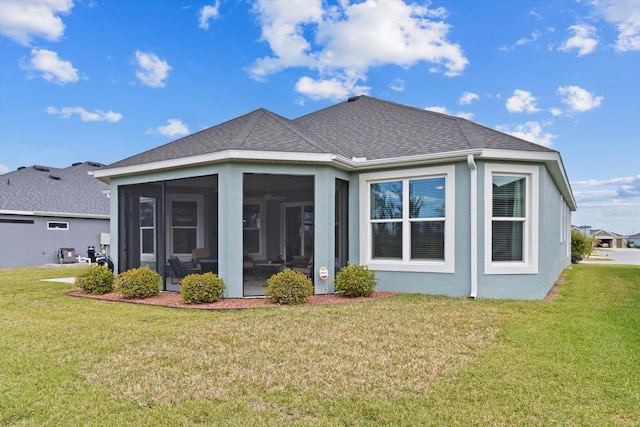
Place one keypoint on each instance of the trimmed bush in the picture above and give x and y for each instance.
(138, 283)
(355, 281)
(289, 287)
(201, 288)
(95, 279)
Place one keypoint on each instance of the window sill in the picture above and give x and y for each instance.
(421, 267)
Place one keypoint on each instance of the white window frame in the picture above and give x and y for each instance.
(262, 235)
(58, 228)
(529, 264)
(199, 199)
(149, 256)
(406, 263)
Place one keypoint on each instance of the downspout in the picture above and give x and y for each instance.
(473, 187)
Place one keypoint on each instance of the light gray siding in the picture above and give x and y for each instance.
(27, 244)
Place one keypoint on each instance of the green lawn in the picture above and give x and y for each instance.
(408, 360)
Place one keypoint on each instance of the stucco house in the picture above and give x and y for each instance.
(433, 203)
(608, 239)
(44, 209)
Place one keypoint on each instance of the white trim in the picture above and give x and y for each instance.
(473, 185)
(552, 159)
(529, 265)
(58, 228)
(148, 256)
(435, 266)
(199, 199)
(53, 214)
(283, 228)
(261, 255)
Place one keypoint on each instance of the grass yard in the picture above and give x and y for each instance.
(408, 360)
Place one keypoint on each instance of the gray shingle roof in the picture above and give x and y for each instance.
(68, 190)
(377, 129)
(365, 127)
(260, 130)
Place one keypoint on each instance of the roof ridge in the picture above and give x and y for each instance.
(294, 127)
(240, 137)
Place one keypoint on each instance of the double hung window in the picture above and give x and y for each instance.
(409, 220)
(511, 222)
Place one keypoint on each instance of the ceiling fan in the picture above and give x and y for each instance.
(269, 196)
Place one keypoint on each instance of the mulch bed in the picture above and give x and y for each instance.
(173, 300)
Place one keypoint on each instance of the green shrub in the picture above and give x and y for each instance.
(289, 287)
(581, 246)
(138, 283)
(95, 279)
(355, 281)
(200, 288)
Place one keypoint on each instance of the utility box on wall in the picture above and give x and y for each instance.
(105, 239)
(67, 255)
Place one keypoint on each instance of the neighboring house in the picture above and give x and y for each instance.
(44, 209)
(607, 239)
(433, 203)
(634, 239)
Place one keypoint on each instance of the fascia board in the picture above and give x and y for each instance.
(54, 214)
(221, 156)
(406, 161)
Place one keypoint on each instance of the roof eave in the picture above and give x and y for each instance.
(54, 214)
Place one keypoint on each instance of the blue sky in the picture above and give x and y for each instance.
(103, 80)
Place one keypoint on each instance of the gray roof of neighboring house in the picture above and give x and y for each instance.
(599, 231)
(360, 127)
(45, 189)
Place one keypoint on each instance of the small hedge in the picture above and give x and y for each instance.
(201, 288)
(95, 279)
(355, 281)
(289, 287)
(138, 283)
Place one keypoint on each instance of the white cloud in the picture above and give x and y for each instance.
(53, 69)
(208, 13)
(397, 85)
(3, 169)
(529, 131)
(86, 116)
(626, 180)
(333, 88)
(439, 109)
(584, 39)
(625, 15)
(465, 115)
(524, 40)
(174, 127)
(22, 20)
(578, 99)
(445, 110)
(152, 71)
(467, 98)
(344, 41)
(534, 36)
(522, 102)
(556, 111)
